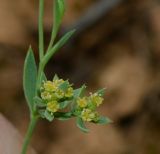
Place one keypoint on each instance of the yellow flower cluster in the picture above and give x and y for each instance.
(53, 106)
(88, 105)
(52, 93)
(82, 102)
(96, 99)
(89, 115)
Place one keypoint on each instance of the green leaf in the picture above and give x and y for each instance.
(41, 112)
(39, 102)
(79, 92)
(64, 86)
(57, 46)
(81, 126)
(43, 77)
(29, 78)
(59, 9)
(64, 104)
(63, 116)
(104, 121)
(48, 116)
(55, 77)
(101, 92)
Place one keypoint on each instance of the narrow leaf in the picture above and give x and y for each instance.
(59, 9)
(64, 86)
(58, 13)
(39, 102)
(104, 121)
(64, 116)
(41, 113)
(29, 78)
(58, 45)
(64, 104)
(101, 92)
(79, 92)
(48, 116)
(55, 77)
(43, 77)
(81, 126)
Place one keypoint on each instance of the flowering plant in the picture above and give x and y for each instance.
(56, 99)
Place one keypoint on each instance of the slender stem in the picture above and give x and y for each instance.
(53, 37)
(40, 71)
(27, 139)
(41, 33)
(54, 27)
(34, 118)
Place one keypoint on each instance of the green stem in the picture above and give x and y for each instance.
(40, 71)
(53, 37)
(54, 28)
(29, 134)
(41, 33)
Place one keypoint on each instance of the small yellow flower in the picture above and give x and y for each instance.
(96, 99)
(88, 115)
(82, 102)
(50, 86)
(96, 118)
(53, 106)
(46, 95)
(59, 94)
(69, 92)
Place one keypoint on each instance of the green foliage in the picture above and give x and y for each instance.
(62, 116)
(43, 77)
(48, 116)
(64, 86)
(29, 78)
(101, 92)
(81, 126)
(64, 104)
(56, 99)
(57, 46)
(55, 77)
(59, 10)
(39, 102)
(104, 121)
(79, 92)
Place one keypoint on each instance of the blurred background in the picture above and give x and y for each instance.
(117, 45)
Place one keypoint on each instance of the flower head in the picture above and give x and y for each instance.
(46, 95)
(53, 106)
(53, 92)
(88, 115)
(69, 92)
(82, 102)
(59, 94)
(49, 86)
(96, 99)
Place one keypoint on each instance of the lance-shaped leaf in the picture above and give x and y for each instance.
(58, 13)
(59, 9)
(81, 126)
(57, 46)
(29, 78)
(39, 102)
(48, 116)
(43, 77)
(64, 86)
(55, 77)
(79, 92)
(63, 116)
(64, 104)
(104, 120)
(101, 92)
